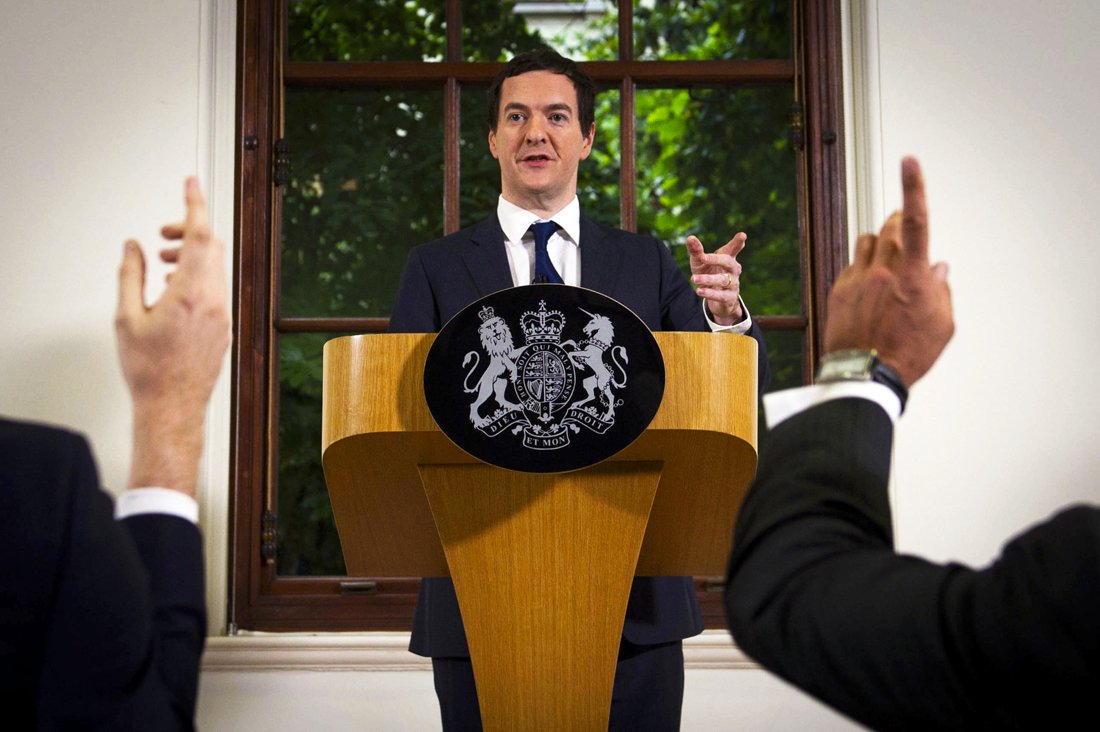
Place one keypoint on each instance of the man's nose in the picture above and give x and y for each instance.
(535, 131)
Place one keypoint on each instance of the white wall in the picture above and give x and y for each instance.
(370, 681)
(107, 106)
(995, 99)
(99, 128)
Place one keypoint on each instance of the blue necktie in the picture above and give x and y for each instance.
(544, 268)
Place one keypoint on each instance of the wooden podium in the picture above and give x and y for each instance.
(542, 563)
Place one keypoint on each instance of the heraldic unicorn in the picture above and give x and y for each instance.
(531, 389)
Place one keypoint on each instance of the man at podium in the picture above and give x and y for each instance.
(541, 125)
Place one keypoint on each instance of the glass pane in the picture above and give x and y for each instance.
(584, 30)
(366, 30)
(598, 176)
(366, 185)
(669, 30)
(308, 543)
(480, 174)
(712, 162)
(785, 349)
(415, 30)
(492, 30)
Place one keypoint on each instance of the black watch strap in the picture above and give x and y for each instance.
(886, 376)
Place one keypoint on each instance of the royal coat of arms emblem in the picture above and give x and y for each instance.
(563, 381)
(543, 373)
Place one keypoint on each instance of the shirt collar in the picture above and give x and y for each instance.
(515, 221)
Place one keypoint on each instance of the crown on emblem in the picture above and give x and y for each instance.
(486, 313)
(544, 326)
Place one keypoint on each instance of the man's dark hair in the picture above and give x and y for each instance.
(545, 59)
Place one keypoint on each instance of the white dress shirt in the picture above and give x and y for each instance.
(136, 501)
(564, 250)
(781, 405)
(563, 245)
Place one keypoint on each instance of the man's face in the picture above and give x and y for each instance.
(538, 141)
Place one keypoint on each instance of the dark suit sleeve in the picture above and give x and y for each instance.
(119, 617)
(763, 365)
(171, 550)
(414, 307)
(816, 594)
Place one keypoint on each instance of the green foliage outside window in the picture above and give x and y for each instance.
(367, 172)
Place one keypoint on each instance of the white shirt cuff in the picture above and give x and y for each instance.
(138, 501)
(781, 405)
(739, 328)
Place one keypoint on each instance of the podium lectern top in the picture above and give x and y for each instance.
(377, 431)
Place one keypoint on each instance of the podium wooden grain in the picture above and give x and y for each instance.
(542, 563)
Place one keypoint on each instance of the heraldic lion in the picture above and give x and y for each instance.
(496, 339)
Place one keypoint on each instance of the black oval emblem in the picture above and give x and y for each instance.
(544, 378)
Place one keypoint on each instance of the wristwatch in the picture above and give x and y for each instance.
(860, 365)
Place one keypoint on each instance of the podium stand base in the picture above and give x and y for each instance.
(542, 566)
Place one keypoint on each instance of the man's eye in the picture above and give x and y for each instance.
(515, 117)
(557, 118)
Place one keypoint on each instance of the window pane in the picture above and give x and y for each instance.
(785, 349)
(598, 176)
(712, 162)
(366, 185)
(366, 30)
(415, 30)
(308, 543)
(584, 30)
(480, 174)
(669, 30)
(492, 30)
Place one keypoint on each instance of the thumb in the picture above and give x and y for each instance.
(695, 248)
(131, 282)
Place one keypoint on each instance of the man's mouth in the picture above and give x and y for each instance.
(537, 160)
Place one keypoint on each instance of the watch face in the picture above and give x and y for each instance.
(544, 378)
(846, 365)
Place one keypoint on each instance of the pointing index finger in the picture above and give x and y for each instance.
(196, 222)
(914, 223)
(734, 246)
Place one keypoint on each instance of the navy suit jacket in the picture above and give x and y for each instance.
(444, 276)
(816, 594)
(102, 622)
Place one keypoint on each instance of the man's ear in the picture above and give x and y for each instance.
(493, 142)
(588, 139)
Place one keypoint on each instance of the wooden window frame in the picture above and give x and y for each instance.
(259, 599)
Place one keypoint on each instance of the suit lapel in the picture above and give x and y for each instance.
(601, 258)
(485, 258)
